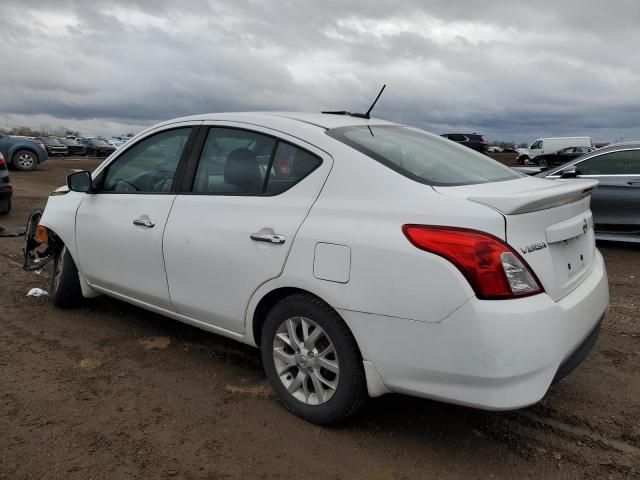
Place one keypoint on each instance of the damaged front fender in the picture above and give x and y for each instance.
(40, 244)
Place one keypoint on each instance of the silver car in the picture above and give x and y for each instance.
(616, 202)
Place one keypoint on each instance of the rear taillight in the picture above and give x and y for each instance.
(2, 162)
(493, 269)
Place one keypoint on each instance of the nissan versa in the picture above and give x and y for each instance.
(361, 256)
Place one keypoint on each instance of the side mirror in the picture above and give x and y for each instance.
(79, 181)
(569, 172)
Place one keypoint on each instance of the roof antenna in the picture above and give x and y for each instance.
(366, 115)
(359, 115)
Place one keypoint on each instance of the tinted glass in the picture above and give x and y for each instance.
(290, 165)
(457, 137)
(149, 166)
(422, 157)
(614, 163)
(536, 145)
(233, 162)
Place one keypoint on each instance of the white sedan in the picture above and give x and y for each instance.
(362, 257)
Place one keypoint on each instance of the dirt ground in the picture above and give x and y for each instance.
(111, 391)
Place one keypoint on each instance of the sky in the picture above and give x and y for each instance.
(509, 70)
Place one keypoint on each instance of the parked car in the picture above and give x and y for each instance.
(115, 142)
(494, 149)
(96, 146)
(271, 229)
(75, 148)
(471, 140)
(616, 202)
(546, 146)
(55, 148)
(22, 153)
(5, 187)
(561, 156)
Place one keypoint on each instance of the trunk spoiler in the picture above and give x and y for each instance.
(526, 195)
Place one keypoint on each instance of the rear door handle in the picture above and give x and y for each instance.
(144, 221)
(268, 237)
(634, 183)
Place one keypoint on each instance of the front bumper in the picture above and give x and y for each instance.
(490, 354)
(5, 192)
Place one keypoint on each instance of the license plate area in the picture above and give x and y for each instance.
(572, 258)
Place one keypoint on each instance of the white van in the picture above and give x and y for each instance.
(551, 145)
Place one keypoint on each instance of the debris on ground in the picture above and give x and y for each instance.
(36, 292)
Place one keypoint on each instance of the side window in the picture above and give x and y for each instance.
(614, 163)
(242, 162)
(233, 162)
(537, 145)
(290, 165)
(149, 166)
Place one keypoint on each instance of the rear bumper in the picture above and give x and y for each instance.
(496, 355)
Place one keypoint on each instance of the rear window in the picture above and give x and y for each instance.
(423, 157)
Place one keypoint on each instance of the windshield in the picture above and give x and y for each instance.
(50, 141)
(423, 157)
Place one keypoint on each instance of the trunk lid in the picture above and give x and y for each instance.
(548, 222)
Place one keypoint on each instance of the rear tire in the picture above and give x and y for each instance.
(318, 374)
(5, 206)
(65, 282)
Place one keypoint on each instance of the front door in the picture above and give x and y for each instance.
(119, 226)
(232, 233)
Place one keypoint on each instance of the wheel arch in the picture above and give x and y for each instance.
(375, 385)
(28, 148)
(269, 299)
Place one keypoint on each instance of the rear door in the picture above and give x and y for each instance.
(250, 190)
(119, 226)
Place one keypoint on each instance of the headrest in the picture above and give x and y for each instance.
(241, 170)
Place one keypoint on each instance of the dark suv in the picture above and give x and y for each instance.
(97, 147)
(471, 140)
(54, 146)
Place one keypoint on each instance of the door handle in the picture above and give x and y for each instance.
(268, 237)
(144, 221)
(634, 183)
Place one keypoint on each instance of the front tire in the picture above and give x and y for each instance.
(65, 282)
(312, 360)
(24, 160)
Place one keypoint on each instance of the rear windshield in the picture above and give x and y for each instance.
(423, 157)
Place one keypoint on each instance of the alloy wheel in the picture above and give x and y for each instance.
(25, 160)
(306, 360)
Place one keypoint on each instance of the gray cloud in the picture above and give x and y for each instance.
(510, 71)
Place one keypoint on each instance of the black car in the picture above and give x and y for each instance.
(54, 146)
(561, 156)
(471, 140)
(74, 147)
(97, 147)
(5, 187)
(615, 203)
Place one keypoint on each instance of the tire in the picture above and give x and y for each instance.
(5, 206)
(24, 160)
(327, 379)
(543, 163)
(65, 283)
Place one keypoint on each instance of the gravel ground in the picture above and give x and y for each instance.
(111, 391)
